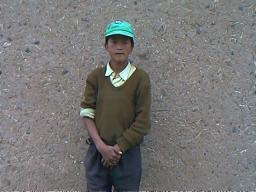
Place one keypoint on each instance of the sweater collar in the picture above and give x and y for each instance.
(123, 74)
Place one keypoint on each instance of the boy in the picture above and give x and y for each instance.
(116, 113)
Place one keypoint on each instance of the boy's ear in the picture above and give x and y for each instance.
(102, 40)
(131, 50)
(105, 45)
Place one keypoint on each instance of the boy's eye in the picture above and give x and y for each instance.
(124, 42)
(113, 41)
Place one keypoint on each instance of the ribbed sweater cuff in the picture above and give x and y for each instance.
(123, 144)
(87, 112)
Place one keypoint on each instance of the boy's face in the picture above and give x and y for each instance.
(119, 47)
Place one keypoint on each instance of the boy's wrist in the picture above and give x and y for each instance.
(118, 149)
(122, 144)
(100, 145)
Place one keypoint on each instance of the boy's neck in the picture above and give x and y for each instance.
(117, 67)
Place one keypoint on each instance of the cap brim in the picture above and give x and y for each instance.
(125, 33)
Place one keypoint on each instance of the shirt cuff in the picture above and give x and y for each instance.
(88, 112)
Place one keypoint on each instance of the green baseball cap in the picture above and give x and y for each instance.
(119, 27)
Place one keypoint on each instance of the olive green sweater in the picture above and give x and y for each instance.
(122, 114)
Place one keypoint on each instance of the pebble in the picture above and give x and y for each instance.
(199, 29)
(28, 50)
(241, 8)
(37, 42)
(85, 19)
(235, 130)
(6, 44)
(28, 85)
(28, 131)
(71, 156)
(144, 55)
(65, 71)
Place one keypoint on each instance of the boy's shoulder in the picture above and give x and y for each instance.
(142, 73)
(96, 71)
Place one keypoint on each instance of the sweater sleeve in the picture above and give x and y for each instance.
(90, 94)
(141, 126)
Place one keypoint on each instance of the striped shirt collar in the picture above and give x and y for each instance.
(123, 74)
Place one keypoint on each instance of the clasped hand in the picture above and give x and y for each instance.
(110, 155)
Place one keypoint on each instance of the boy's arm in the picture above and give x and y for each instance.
(109, 153)
(141, 126)
(92, 131)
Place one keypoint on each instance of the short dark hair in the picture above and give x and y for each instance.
(108, 37)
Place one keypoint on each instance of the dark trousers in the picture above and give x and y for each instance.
(125, 176)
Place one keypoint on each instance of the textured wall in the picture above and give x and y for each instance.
(201, 56)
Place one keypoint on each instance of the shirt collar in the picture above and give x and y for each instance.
(123, 74)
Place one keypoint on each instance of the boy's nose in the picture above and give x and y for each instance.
(119, 47)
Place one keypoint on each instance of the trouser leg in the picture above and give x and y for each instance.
(97, 176)
(126, 175)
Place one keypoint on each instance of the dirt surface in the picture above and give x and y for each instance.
(200, 55)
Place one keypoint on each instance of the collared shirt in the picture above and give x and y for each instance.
(119, 79)
(116, 79)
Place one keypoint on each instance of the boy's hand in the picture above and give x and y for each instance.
(108, 164)
(110, 154)
(117, 149)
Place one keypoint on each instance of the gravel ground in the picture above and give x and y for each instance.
(200, 55)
